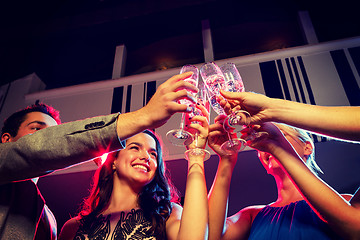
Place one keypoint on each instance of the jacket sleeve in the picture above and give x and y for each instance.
(58, 147)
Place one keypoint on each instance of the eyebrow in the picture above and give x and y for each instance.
(38, 122)
(141, 145)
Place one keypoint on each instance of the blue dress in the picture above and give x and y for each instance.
(294, 221)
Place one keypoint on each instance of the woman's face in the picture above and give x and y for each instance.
(137, 163)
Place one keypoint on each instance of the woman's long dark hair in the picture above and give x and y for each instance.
(154, 199)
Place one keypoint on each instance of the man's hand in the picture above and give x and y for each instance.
(163, 103)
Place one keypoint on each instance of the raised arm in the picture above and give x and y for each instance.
(342, 217)
(339, 122)
(57, 147)
(61, 146)
(192, 222)
(238, 226)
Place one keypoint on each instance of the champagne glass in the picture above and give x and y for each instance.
(215, 81)
(239, 119)
(181, 137)
(201, 99)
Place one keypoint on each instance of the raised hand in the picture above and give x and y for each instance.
(159, 109)
(257, 105)
(268, 142)
(198, 124)
(163, 103)
(217, 136)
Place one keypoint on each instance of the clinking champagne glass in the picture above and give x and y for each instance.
(239, 119)
(215, 81)
(201, 99)
(181, 137)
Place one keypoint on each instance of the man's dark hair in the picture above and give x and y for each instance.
(12, 123)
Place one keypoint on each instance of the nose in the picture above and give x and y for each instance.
(145, 156)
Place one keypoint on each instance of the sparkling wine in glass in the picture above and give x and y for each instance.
(201, 99)
(215, 81)
(181, 137)
(240, 119)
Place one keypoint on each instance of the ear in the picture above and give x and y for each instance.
(113, 166)
(308, 149)
(6, 137)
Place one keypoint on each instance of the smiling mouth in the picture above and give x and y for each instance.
(142, 167)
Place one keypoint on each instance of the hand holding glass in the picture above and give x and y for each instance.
(215, 81)
(202, 100)
(239, 119)
(181, 137)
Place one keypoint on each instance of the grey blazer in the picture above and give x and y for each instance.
(38, 154)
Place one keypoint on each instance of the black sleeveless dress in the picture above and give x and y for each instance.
(116, 226)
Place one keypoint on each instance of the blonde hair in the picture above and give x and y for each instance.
(304, 137)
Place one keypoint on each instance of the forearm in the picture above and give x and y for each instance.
(325, 201)
(194, 220)
(218, 199)
(338, 122)
(132, 123)
(57, 147)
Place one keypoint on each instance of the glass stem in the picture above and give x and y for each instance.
(182, 123)
(196, 139)
(230, 139)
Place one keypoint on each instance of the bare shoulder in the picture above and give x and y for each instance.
(69, 229)
(238, 226)
(246, 214)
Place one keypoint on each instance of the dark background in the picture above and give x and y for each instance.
(68, 42)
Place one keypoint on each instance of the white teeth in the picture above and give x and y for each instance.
(140, 167)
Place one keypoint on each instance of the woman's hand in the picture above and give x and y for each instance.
(199, 125)
(272, 138)
(217, 136)
(258, 105)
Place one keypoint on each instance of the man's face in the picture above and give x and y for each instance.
(34, 121)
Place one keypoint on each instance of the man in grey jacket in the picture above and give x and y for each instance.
(28, 153)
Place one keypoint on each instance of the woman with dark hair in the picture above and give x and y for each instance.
(132, 198)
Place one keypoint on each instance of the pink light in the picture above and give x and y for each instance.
(104, 157)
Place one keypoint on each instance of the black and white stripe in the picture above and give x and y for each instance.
(287, 79)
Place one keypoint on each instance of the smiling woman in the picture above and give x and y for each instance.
(137, 163)
(129, 188)
(131, 198)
